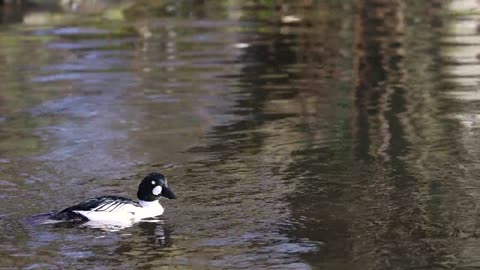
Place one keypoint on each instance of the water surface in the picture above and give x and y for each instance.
(319, 135)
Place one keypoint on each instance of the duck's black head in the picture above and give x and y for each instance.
(154, 186)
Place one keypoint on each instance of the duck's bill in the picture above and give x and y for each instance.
(168, 193)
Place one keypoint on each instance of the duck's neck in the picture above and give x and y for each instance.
(149, 209)
(155, 203)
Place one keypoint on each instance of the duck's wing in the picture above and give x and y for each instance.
(104, 203)
(101, 204)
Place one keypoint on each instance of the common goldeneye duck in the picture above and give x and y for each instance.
(115, 208)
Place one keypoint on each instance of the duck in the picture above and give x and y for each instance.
(119, 209)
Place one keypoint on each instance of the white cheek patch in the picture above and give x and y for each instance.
(157, 190)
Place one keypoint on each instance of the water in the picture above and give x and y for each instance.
(297, 135)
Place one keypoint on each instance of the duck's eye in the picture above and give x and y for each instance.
(157, 190)
(153, 182)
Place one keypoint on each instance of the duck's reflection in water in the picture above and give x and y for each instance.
(147, 242)
(108, 226)
(147, 227)
(157, 233)
(138, 244)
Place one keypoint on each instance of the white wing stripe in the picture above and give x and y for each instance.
(109, 206)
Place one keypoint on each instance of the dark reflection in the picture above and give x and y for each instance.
(275, 148)
(365, 205)
(13, 12)
(261, 60)
(16, 11)
(380, 98)
(379, 82)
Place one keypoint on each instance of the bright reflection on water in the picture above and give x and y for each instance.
(326, 134)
